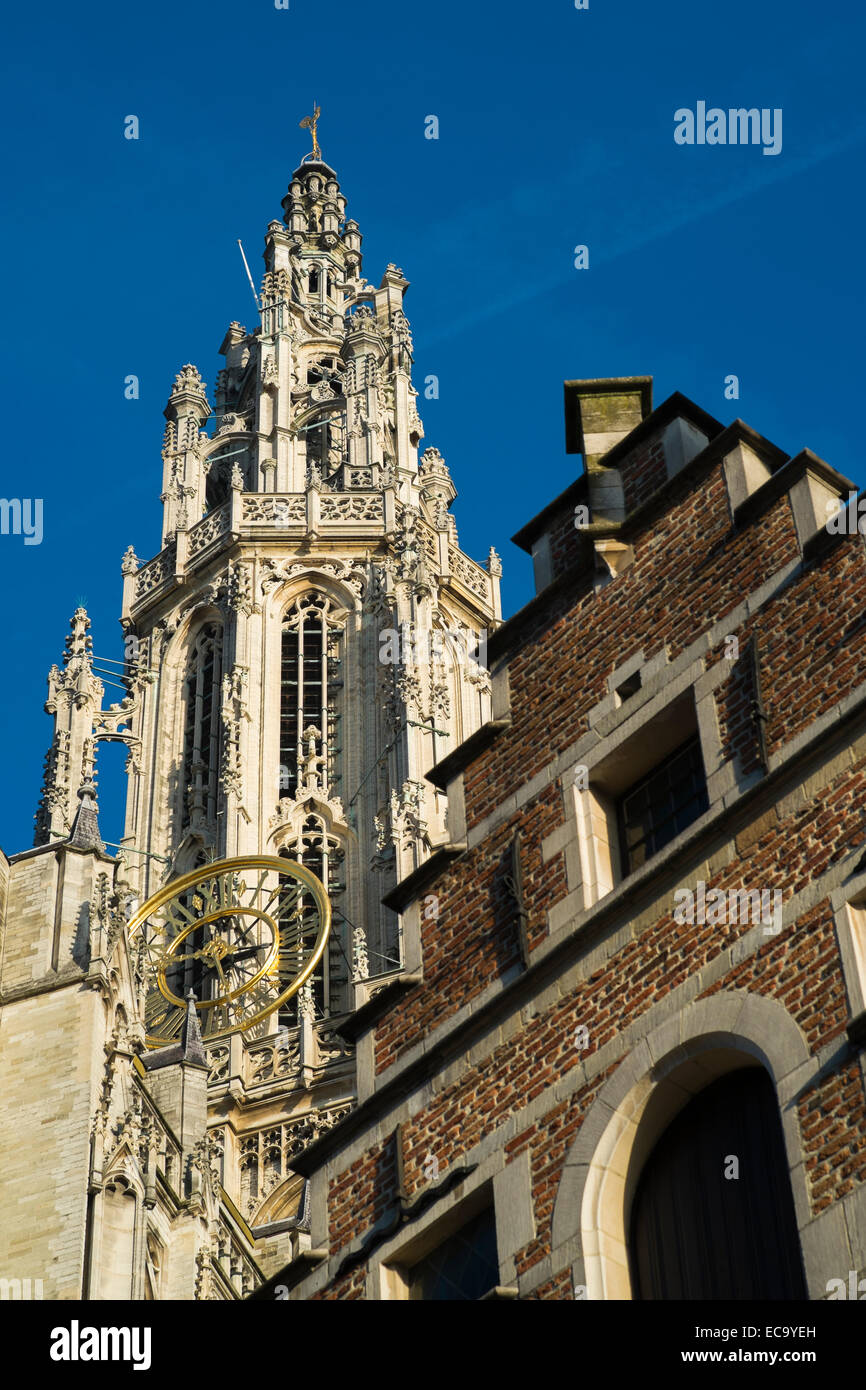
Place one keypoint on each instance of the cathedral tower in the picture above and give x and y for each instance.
(308, 642)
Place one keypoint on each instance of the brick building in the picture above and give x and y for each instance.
(442, 957)
(623, 1056)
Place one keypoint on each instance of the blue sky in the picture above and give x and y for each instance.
(555, 129)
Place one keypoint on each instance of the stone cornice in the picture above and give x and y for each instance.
(413, 884)
(783, 479)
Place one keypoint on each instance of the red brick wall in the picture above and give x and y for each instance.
(800, 967)
(736, 710)
(474, 939)
(833, 1125)
(363, 1193)
(643, 472)
(350, 1286)
(560, 1287)
(690, 569)
(566, 543)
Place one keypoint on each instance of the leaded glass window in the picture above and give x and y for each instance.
(463, 1268)
(662, 804)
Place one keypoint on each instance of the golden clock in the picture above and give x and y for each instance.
(242, 934)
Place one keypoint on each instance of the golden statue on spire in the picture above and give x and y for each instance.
(310, 123)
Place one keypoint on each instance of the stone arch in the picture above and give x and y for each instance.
(190, 854)
(320, 611)
(198, 741)
(288, 794)
(284, 827)
(177, 654)
(313, 580)
(121, 1024)
(194, 617)
(217, 470)
(285, 1203)
(239, 435)
(655, 1081)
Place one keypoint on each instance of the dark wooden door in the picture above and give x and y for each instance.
(697, 1234)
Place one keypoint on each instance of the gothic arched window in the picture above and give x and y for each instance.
(191, 973)
(310, 696)
(219, 472)
(201, 738)
(216, 487)
(323, 854)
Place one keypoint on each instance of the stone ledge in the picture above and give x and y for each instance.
(413, 884)
(453, 763)
(363, 1018)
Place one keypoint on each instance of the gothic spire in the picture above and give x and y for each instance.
(85, 827)
(189, 1048)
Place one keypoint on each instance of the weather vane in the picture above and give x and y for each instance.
(310, 123)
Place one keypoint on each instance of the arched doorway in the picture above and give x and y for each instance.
(713, 1215)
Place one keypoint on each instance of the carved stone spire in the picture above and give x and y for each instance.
(189, 1049)
(191, 1044)
(74, 695)
(85, 828)
(183, 478)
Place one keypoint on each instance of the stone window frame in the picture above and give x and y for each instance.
(396, 1275)
(630, 734)
(683, 781)
(346, 609)
(506, 1187)
(849, 915)
(333, 625)
(295, 845)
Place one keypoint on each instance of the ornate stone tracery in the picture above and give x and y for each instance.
(262, 715)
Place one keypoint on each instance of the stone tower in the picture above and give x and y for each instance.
(308, 642)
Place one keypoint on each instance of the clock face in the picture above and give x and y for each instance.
(242, 934)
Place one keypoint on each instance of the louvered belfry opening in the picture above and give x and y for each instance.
(310, 680)
(311, 686)
(201, 742)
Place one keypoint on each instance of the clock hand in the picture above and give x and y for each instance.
(241, 954)
(223, 980)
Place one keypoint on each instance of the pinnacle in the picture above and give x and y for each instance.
(191, 1045)
(85, 827)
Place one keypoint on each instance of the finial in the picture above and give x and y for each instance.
(494, 563)
(187, 380)
(130, 562)
(189, 1047)
(78, 640)
(310, 123)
